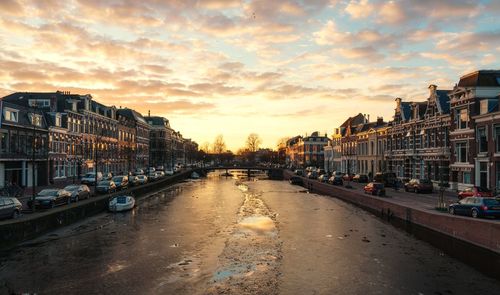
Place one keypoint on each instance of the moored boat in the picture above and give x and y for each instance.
(121, 203)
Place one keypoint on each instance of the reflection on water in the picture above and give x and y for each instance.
(258, 224)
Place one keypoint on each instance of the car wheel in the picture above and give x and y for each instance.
(452, 211)
(474, 213)
(15, 214)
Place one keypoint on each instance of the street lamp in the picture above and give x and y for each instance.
(34, 107)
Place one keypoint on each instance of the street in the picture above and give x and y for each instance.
(226, 236)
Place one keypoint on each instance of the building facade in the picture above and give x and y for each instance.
(474, 107)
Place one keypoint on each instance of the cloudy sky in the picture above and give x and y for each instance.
(276, 68)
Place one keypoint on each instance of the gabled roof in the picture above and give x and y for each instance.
(405, 111)
(23, 119)
(353, 121)
(131, 114)
(443, 101)
(482, 78)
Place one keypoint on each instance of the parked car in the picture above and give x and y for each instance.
(151, 169)
(152, 176)
(347, 177)
(323, 178)
(106, 187)
(142, 179)
(475, 191)
(388, 179)
(160, 168)
(361, 178)
(107, 176)
(139, 172)
(78, 192)
(336, 180)
(133, 180)
(296, 180)
(49, 198)
(121, 182)
(159, 174)
(10, 207)
(476, 207)
(90, 178)
(169, 172)
(321, 171)
(375, 189)
(312, 175)
(419, 186)
(299, 172)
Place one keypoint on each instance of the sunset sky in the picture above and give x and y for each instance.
(275, 68)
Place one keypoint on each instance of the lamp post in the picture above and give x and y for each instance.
(33, 150)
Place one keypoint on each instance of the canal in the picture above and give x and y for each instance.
(226, 236)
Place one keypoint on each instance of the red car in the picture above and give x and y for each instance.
(475, 191)
(375, 189)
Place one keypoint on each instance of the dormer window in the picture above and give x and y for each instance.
(11, 114)
(39, 103)
(36, 120)
(58, 120)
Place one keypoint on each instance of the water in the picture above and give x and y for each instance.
(231, 236)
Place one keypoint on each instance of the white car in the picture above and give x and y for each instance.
(142, 179)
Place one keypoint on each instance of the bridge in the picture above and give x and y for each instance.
(273, 173)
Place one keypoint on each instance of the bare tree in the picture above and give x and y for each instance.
(253, 142)
(219, 145)
(205, 147)
(282, 141)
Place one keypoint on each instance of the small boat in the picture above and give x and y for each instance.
(121, 203)
(195, 175)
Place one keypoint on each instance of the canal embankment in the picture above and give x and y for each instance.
(31, 226)
(474, 241)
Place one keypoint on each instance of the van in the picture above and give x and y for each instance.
(389, 179)
(89, 178)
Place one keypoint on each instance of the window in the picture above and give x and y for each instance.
(497, 138)
(462, 118)
(36, 119)
(58, 121)
(11, 115)
(39, 102)
(482, 140)
(483, 109)
(461, 152)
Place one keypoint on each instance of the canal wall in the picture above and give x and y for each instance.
(31, 226)
(474, 241)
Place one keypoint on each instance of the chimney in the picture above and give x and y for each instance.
(149, 113)
(432, 90)
(380, 121)
(368, 119)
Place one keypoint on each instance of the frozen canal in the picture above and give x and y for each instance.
(221, 236)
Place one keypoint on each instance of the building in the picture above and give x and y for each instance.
(349, 141)
(473, 133)
(141, 132)
(306, 151)
(24, 143)
(372, 142)
(418, 141)
(161, 139)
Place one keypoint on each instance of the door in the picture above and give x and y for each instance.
(483, 174)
